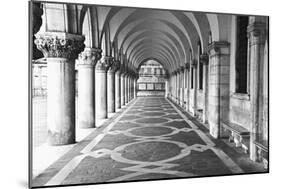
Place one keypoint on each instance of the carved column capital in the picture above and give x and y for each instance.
(89, 56)
(104, 64)
(204, 59)
(182, 69)
(187, 65)
(174, 72)
(218, 48)
(114, 66)
(257, 33)
(194, 63)
(59, 44)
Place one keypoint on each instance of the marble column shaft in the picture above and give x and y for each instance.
(257, 36)
(86, 87)
(101, 88)
(123, 85)
(219, 85)
(117, 89)
(194, 90)
(60, 49)
(111, 86)
(204, 58)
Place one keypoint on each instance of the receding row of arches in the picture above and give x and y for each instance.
(215, 64)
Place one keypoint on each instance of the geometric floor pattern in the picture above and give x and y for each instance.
(151, 139)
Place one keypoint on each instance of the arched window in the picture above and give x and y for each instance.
(241, 64)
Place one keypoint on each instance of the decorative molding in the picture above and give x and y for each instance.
(104, 64)
(194, 63)
(257, 33)
(182, 69)
(114, 66)
(187, 65)
(89, 56)
(218, 48)
(59, 44)
(204, 59)
(241, 96)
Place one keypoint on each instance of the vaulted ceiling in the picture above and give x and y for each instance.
(136, 34)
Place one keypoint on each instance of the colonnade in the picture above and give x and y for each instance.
(104, 85)
(202, 80)
(216, 95)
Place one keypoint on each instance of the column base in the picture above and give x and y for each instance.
(57, 139)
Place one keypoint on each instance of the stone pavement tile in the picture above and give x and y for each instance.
(236, 154)
(151, 131)
(173, 116)
(154, 114)
(178, 124)
(129, 117)
(53, 169)
(188, 138)
(93, 171)
(151, 109)
(151, 120)
(143, 153)
(133, 112)
(112, 141)
(125, 126)
(169, 111)
(150, 151)
(202, 164)
(153, 176)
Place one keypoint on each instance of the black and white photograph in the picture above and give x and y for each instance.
(125, 94)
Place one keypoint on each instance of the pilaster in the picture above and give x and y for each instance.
(218, 100)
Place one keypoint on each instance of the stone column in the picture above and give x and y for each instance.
(182, 86)
(177, 87)
(257, 36)
(60, 49)
(129, 88)
(126, 88)
(194, 90)
(167, 87)
(118, 87)
(204, 59)
(187, 67)
(111, 85)
(218, 86)
(136, 87)
(86, 87)
(123, 85)
(132, 88)
(101, 87)
(174, 86)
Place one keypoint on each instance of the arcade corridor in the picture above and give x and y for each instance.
(150, 139)
(134, 94)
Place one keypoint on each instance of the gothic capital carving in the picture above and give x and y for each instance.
(59, 44)
(114, 66)
(123, 69)
(256, 32)
(219, 48)
(89, 56)
(204, 59)
(182, 69)
(194, 63)
(187, 65)
(104, 64)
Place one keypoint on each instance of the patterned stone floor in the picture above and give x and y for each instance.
(151, 139)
